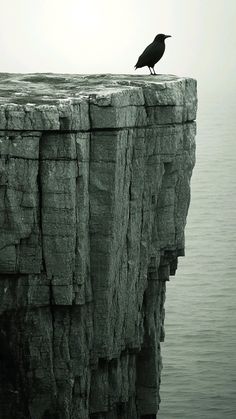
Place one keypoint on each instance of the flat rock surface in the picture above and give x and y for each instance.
(51, 88)
(57, 102)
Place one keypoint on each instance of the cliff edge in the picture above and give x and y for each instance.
(95, 188)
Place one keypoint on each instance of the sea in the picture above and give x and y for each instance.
(199, 352)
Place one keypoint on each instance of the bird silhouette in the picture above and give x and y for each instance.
(153, 53)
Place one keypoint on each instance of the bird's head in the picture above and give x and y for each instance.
(161, 37)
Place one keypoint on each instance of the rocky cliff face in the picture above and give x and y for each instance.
(94, 183)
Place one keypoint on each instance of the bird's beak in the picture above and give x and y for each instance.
(167, 36)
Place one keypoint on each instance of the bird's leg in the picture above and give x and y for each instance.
(154, 73)
(150, 71)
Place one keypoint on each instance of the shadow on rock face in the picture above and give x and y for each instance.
(12, 397)
(50, 415)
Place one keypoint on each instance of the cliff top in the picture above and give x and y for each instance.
(50, 88)
(47, 101)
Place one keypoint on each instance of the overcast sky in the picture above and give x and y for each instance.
(106, 36)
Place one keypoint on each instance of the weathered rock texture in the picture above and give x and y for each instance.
(94, 184)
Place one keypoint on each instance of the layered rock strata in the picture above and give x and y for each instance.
(94, 193)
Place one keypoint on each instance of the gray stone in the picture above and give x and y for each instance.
(94, 193)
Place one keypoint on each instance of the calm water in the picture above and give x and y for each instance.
(199, 354)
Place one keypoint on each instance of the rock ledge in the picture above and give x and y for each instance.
(95, 188)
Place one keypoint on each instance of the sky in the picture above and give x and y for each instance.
(106, 36)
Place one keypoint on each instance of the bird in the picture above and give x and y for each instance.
(153, 53)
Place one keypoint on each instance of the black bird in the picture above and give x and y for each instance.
(153, 53)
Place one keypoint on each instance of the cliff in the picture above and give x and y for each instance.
(95, 188)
